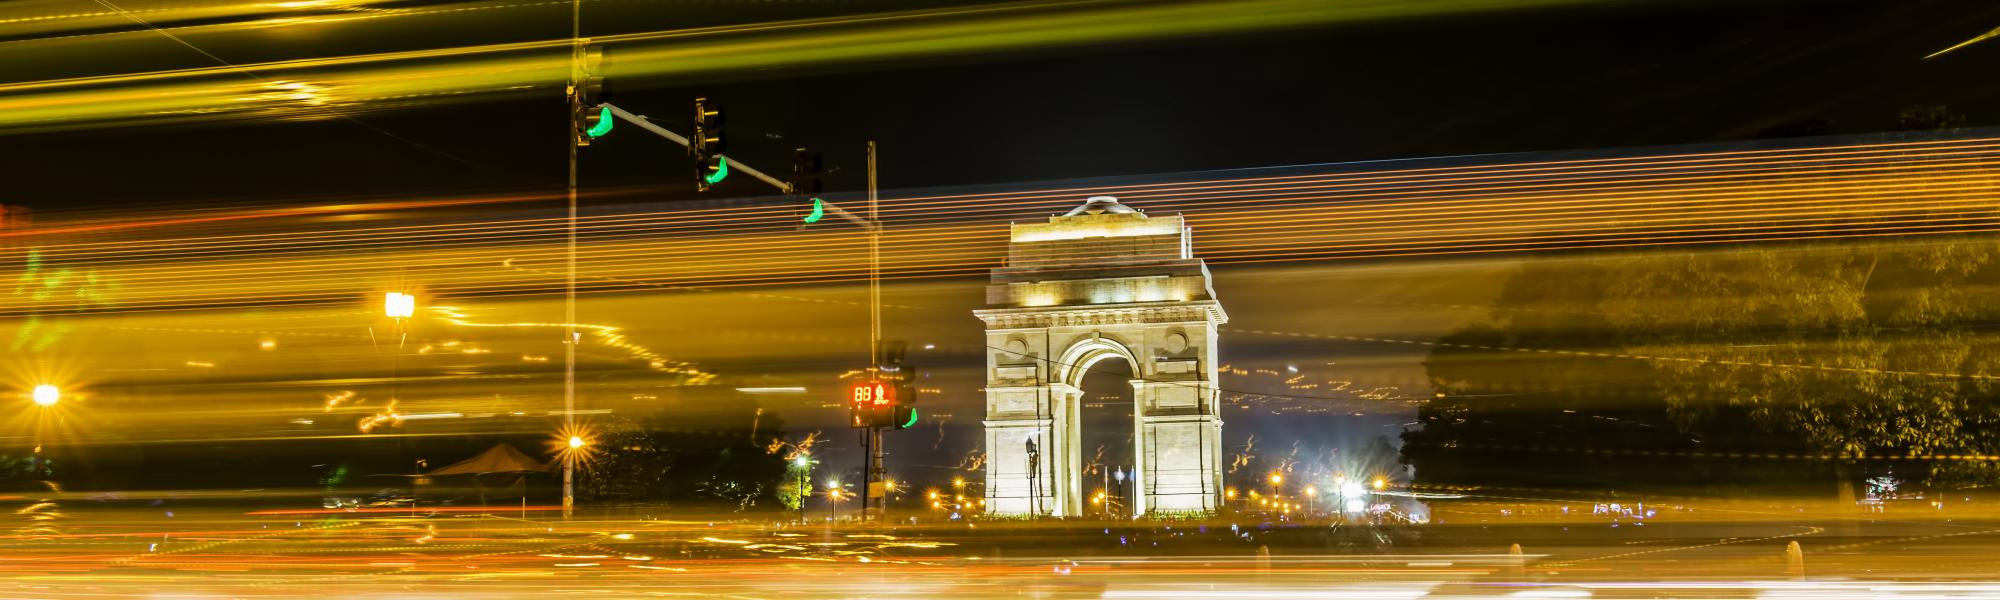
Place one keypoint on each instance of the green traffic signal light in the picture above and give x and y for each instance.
(603, 125)
(818, 212)
(721, 170)
(913, 419)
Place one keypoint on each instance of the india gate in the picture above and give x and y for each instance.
(1102, 281)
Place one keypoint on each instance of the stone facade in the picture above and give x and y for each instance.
(1102, 281)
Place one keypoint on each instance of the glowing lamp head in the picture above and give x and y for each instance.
(47, 395)
(1277, 478)
(802, 460)
(398, 305)
(1381, 483)
(576, 441)
(1352, 490)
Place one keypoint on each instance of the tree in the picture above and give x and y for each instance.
(631, 461)
(1822, 352)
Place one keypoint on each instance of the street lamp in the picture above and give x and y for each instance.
(1120, 476)
(832, 497)
(398, 305)
(572, 447)
(47, 395)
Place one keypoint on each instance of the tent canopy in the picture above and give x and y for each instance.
(501, 458)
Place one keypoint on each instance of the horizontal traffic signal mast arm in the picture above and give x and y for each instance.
(738, 165)
(842, 213)
(646, 124)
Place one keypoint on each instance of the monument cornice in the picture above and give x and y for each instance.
(1129, 313)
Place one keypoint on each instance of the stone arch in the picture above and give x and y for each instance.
(1082, 354)
(1101, 281)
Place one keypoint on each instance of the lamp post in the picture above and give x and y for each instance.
(576, 444)
(1277, 483)
(1120, 476)
(398, 306)
(832, 496)
(46, 396)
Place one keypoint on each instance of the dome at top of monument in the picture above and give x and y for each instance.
(1098, 205)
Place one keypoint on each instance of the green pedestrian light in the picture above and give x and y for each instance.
(818, 212)
(721, 170)
(603, 125)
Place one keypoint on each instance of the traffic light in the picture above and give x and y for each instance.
(902, 413)
(587, 120)
(707, 144)
(871, 403)
(805, 184)
(598, 122)
(885, 399)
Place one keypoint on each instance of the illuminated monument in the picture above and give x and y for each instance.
(1099, 282)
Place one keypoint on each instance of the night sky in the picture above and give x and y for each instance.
(1614, 75)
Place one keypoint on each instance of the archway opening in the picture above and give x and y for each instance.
(1106, 425)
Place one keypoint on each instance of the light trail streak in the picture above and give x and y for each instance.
(399, 510)
(1060, 199)
(1589, 204)
(1887, 189)
(368, 82)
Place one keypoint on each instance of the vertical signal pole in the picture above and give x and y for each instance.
(874, 482)
(569, 282)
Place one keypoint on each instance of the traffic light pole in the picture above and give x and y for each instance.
(874, 472)
(578, 53)
(875, 490)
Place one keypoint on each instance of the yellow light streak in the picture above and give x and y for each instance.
(357, 83)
